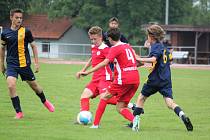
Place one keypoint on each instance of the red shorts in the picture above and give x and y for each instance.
(98, 87)
(124, 93)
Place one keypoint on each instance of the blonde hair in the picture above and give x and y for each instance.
(95, 30)
(156, 32)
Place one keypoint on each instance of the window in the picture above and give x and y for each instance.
(46, 47)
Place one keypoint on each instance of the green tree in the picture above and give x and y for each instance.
(7, 5)
(39, 6)
(201, 13)
(132, 14)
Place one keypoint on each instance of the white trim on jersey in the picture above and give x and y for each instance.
(119, 43)
(108, 77)
(119, 77)
(102, 46)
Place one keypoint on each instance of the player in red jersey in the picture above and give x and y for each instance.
(126, 77)
(102, 77)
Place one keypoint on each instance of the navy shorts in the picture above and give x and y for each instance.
(25, 73)
(111, 65)
(149, 90)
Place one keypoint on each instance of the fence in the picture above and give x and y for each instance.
(82, 52)
(73, 51)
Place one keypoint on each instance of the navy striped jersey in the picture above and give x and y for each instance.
(160, 73)
(16, 43)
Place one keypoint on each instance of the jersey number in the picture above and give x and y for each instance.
(164, 57)
(129, 55)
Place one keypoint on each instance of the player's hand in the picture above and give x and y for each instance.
(139, 63)
(36, 65)
(84, 73)
(78, 75)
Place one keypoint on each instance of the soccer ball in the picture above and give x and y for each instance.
(84, 117)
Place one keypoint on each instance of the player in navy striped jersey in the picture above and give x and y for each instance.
(159, 79)
(15, 41)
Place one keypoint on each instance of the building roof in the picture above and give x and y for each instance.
(43, 28)
(183, 28)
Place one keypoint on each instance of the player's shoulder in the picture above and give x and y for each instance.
(28, 30)
(5, 30)
(103, 46)
(157, 46)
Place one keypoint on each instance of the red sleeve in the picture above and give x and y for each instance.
(106, 52)
(112, 54)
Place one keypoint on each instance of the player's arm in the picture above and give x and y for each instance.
(2, 56)
(138, 63)
(87, 65)
(35, 53)
(147, 60)
(100, 65)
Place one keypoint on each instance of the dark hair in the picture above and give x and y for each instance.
(113, 19)
(114, 34)
(16, 10)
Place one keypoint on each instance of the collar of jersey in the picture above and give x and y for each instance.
(118, 43)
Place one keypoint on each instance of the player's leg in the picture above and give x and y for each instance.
(146, 91)
(85, 99)
(101, 108)
(167, 94)
(11, 83)
(126, 92)
(12, 76)
(40, 93)
(102, 86)
(124, 111)
(90, 91)
(179, 112)
(27, 75)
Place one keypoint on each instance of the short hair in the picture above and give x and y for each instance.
(156, 32)
(113, 19)
(114, 34)
(95, 30)
(16, 10)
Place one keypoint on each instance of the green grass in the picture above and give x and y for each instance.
(191, 92)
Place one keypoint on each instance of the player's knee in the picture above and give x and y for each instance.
(85, 95)
(170, 104)
(11, 86)
(106, 96)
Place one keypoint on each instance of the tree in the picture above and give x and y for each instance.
(132, 14)
(39, 6)
(7, 5)
(200, 13)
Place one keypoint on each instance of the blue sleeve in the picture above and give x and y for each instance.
(155, 51)
(29, 36)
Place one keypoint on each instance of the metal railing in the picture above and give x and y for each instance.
(82, 52)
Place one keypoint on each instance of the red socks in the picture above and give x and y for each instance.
(99, 112)
(84, 104)
(127, 114)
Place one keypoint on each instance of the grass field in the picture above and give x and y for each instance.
(191, 91)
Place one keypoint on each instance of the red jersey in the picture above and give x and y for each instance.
(125, 71)
(99, 53)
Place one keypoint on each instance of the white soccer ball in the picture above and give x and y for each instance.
(84, 117)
